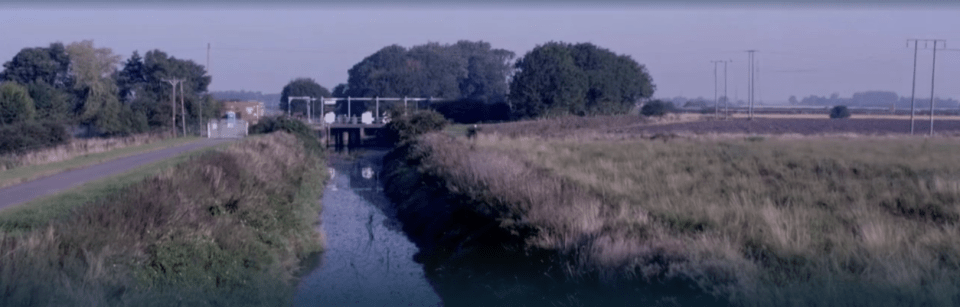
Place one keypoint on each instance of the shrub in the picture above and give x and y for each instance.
(405, 128)
(295, 127)
(656, 108)
(27, 136)
(839, 112)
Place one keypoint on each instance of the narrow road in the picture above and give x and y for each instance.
(27, 191)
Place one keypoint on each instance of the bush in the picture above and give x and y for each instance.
(470, 111)
(405, 128)
(656, 108)
(303, 132)
(27, 136)
(839, 112)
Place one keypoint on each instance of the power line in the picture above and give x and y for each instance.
(916, 47)
(716, 104)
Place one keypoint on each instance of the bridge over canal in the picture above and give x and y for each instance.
(346, 129)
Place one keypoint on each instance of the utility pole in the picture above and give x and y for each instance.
(726, 99)
(750, 83)
(933, 77)
(716, 102)
(173, 103)
(183, 111)
(209, 73)
(916, 46)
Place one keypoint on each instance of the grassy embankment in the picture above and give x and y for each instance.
(788, 221)
(224, 228)
(18, 168)
(38, 213)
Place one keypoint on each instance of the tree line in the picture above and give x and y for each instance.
(91, 88)
(474, 82)
(883, 99)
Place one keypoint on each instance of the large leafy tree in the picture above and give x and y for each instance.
(300, 87)
(51, 103)
(558, 78)
(463, 70)
(15, 104)
(92, 69)
(47, 65)
(141, 85)
(44, 71)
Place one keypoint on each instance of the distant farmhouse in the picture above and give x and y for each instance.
(249, 111)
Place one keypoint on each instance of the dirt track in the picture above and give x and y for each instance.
(24, 192)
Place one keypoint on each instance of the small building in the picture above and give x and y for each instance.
(249, 111)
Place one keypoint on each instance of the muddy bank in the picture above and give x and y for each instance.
(477, 248)
(367, 260)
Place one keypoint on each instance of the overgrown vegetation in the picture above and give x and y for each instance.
(226, 228)
(279, 123)
(607, 219)
(403, 128)
(26, 136)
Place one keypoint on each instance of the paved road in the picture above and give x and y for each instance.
(30, 190)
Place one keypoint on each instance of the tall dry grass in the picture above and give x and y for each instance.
(227, 228)
(844, 221)
(76, 148)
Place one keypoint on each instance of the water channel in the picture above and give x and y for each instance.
(368, 260)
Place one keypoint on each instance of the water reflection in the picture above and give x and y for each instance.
(368, 261)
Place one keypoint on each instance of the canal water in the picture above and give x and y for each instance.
(368, 260)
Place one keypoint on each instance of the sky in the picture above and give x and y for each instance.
(802, 50)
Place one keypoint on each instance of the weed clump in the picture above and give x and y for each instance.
(403, 128)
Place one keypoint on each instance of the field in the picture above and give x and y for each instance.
(704, 124)
(808, 213)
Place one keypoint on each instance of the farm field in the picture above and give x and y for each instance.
(803, 126)
(797, 217)
(633, 125)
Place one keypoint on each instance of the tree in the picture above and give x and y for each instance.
(793, 100)
(39, 64)
(558, 78)
(92, 69)
(15, 104)
(839, 112)
(301, 87)
(131, 78)
(141, 83)
(656, 108)
(50, 102)
(466, 69)
(340, 91)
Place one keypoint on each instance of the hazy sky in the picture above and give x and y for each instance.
(802, 51)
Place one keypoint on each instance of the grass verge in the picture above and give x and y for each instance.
(37, 213)
(224, 228)
(26, 173)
